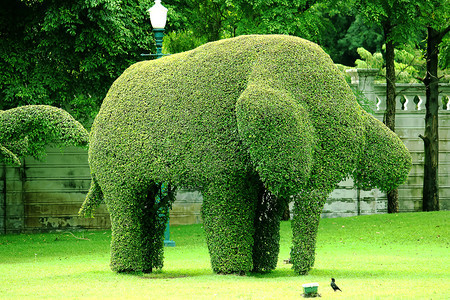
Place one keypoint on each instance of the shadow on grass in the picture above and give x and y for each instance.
(391, 273)
(172, 274)
(276, 274)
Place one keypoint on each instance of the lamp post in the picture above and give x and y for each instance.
(158, 18)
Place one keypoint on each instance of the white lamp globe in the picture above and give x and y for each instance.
(158, 15)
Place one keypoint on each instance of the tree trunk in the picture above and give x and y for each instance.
(389, 115)
(431, 138)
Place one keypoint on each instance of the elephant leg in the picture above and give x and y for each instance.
(156, 215)
(268, 216)
(137, 231)
(228, 214)
(307, 209)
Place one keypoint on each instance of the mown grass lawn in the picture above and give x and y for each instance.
(402, 256)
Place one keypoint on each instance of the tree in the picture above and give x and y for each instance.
(278, 16)
(394, 17)
(358, 34)
(209, 20)
(67, 53)
(436, 18)
(331, 24)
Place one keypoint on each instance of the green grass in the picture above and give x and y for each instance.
(404, 256)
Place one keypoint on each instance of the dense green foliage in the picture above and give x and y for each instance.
(249, 121)
(334, 25)
(383, 161)
(410, 65)
(28, 129)
(67, 53)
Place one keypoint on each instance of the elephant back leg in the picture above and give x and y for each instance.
(137, 226)
(307, 209)
(154, 223)
(268, 216)
(228, 212)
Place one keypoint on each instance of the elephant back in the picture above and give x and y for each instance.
(174, 118)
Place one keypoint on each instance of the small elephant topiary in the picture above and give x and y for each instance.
(251, 122)
(26, 130)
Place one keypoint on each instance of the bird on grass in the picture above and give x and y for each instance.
(334, 286)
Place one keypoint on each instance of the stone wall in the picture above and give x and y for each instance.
(43, 196)
(46, 196)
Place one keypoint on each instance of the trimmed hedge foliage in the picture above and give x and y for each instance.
(250, 121)
(26, 130)
(383, 161)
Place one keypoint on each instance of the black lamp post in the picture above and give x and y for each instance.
(158, 18)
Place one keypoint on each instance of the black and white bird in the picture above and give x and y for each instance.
(334, 286)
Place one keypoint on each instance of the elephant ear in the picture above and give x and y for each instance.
(279, 137)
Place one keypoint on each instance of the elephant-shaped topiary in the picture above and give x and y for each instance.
(26, 130)
(251, 122)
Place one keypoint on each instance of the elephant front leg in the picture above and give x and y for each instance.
(307, 210)
(228, 214)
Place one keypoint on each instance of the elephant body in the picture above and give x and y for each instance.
(250, 121)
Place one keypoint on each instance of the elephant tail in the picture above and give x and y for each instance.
(93, 200)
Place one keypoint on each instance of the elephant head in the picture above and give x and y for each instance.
(384, 162)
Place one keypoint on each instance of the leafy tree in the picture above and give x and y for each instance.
(359, 34)
(435, 15)
(279, 16)
(409, 64)
(67, 53)
(180, 41)
(208, 20)
(211, 20)
(332, 24)
(395, 17)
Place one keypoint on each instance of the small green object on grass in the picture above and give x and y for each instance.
(310, 289)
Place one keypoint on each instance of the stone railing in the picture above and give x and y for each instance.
(410, 96)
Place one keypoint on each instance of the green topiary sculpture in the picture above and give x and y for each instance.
(250, 121)
(26, 130)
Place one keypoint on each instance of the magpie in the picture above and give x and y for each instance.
(334, 286)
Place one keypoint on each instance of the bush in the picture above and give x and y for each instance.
(26, 130)
(250, 121)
